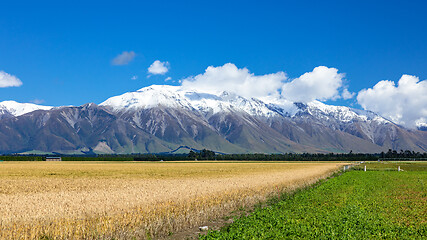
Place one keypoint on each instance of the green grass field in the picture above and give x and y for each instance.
(356, 205)
(392, 166)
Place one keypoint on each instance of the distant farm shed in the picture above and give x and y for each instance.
(53, 159)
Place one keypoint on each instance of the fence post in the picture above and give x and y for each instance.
(365, 168)
(398, 169)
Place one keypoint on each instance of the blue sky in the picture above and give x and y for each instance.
(63, 52)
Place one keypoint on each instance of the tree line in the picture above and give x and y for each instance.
(206, 154)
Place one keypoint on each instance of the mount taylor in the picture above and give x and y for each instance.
(164, 119)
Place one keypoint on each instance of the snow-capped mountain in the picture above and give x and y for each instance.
(208, 104)
(176, 97)
(12, 108)
(164, 118)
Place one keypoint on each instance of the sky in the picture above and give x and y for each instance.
(351, 53)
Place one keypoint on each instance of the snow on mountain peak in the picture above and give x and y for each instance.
(342, 113)
(148, 97)
(175, 96)
(18, 109)
(162, 88)
(207, 103)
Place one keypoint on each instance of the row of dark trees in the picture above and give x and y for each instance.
(206, 154)
(402, 154)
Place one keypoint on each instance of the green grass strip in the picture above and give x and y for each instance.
(355, 205)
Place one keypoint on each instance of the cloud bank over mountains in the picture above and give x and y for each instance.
(321, 84)
(405, 104)
(238, 80)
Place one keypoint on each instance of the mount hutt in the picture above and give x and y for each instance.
(161, 119)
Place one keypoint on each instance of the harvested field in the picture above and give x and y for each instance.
(133, 199)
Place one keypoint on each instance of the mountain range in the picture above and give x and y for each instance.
(164, 119)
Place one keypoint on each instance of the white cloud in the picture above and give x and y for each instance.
(347, 94)
(405, 104)
(7, 80)
(134, 77)
(158, 68)
(168, 79)
(240, 81)
(322, 84)
(37, 101)
(123, 58)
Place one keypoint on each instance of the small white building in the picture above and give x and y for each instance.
(53, 159)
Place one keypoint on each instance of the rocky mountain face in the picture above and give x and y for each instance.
(164, 118)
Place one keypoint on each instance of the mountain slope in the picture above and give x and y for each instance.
(164, 118)
(75, 129)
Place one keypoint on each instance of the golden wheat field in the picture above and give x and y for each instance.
(125, 200)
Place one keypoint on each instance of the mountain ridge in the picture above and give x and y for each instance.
(162, 118)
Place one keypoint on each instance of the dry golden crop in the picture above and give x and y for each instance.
(120, 200)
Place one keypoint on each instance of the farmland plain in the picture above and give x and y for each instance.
(123, 200)
(380, 203)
